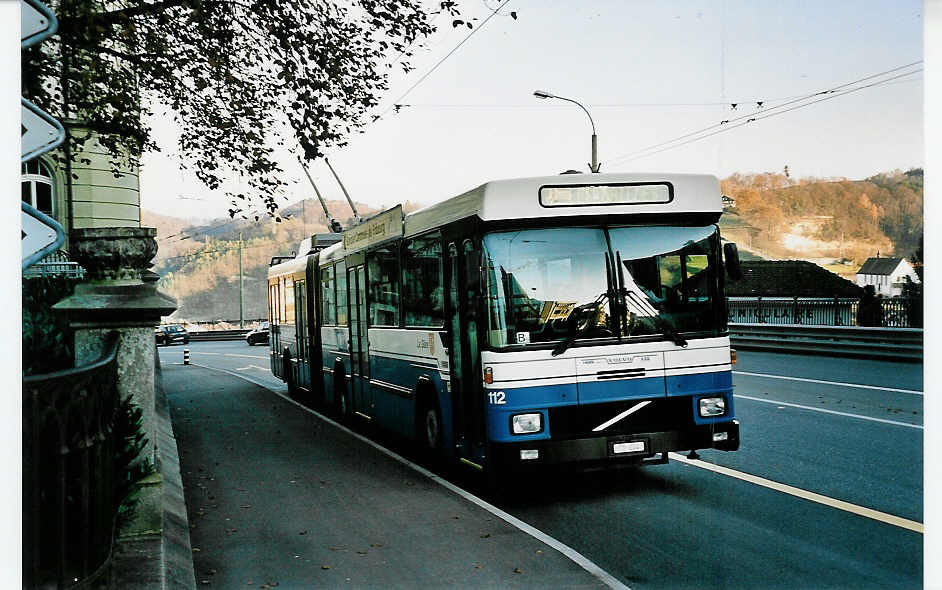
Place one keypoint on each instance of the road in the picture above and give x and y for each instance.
(826, 491)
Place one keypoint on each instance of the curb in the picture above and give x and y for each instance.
(160, 560)
(177, 554)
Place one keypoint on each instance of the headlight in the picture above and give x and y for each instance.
(712, 406)
(526, 423)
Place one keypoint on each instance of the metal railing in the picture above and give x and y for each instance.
(877, 343)
(896, 312)
(55, 263)
(218, 335)
(69, 504)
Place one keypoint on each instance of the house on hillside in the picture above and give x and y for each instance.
(790, 278)
(887, 275)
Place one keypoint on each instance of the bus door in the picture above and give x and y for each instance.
(303, 337)
(359, 342)
(464, 361)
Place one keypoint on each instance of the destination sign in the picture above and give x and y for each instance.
(376, 229)
(605, 194)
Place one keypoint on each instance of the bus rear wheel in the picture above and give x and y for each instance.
(341, 406)
(430, 425)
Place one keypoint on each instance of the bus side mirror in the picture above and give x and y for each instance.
(731, 258)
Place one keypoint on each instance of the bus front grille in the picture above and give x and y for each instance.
(661, 414)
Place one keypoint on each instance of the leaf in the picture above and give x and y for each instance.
(513, 14)
(457, 22)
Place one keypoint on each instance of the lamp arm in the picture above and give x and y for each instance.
(591, 122)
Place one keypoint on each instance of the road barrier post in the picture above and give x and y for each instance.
(186, 356)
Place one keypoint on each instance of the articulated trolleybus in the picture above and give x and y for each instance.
(573, 319)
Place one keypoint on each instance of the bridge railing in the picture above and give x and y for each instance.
(896, 312)
(902, 344)
(69, 504)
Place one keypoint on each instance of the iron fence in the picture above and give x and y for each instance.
(55, 263)
(69, 504)
(896, 312)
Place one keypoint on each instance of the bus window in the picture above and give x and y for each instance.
(288, 317)
(328, 310)
(383, 281)
(423, 303)
(276, 303)
(341, 274)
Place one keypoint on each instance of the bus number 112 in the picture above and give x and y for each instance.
(497, 397)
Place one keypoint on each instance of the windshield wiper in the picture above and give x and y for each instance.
(668, 331)
(572, 323)
(660, 323)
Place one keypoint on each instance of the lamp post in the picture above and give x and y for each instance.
(594, 166)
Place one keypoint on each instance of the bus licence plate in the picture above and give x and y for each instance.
(635, 446)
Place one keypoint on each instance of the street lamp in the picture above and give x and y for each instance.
(594, 166)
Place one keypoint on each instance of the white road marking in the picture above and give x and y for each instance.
(814, 409)
(245, 356)
(800, 493)
(839, 383)
(252, 367)
(581, 560)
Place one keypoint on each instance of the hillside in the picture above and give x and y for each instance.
(826, 220)
(774, 217)
(199, 264)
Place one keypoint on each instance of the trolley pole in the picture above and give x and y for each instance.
(241, 287)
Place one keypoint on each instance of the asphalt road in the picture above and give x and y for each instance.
(826, 491)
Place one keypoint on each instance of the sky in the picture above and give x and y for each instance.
(647, 73)
(600, 53)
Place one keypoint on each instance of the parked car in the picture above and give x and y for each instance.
(259, 335)
(171, 333)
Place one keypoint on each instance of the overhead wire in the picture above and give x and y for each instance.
(199, 253)
(442, 60)
(765, 113)
(231, 221)
(396, 103)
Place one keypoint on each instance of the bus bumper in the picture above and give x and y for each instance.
(617, 449)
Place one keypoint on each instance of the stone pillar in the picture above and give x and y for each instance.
(120, 295)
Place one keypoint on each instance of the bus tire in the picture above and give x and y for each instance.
(429, 422)
(288, 373)
(341, 405)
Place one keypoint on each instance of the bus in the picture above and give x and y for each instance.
(577, 319)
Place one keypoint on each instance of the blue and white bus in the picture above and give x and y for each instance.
(573, 319)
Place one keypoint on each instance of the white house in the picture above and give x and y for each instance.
(886, 275)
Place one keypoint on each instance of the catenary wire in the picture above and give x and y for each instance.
(766, 110)
(758, 117)
(442, 60)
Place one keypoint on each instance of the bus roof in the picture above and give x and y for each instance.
(292, 266)
(529, 198)
(565, 195)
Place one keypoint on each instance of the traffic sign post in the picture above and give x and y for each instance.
(36, 23)
(40, 132)
(41, 235)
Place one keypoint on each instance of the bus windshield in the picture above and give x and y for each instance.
(549, 285)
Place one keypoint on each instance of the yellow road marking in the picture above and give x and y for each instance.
(800, 493)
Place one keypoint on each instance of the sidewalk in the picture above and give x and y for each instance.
(277, 497)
